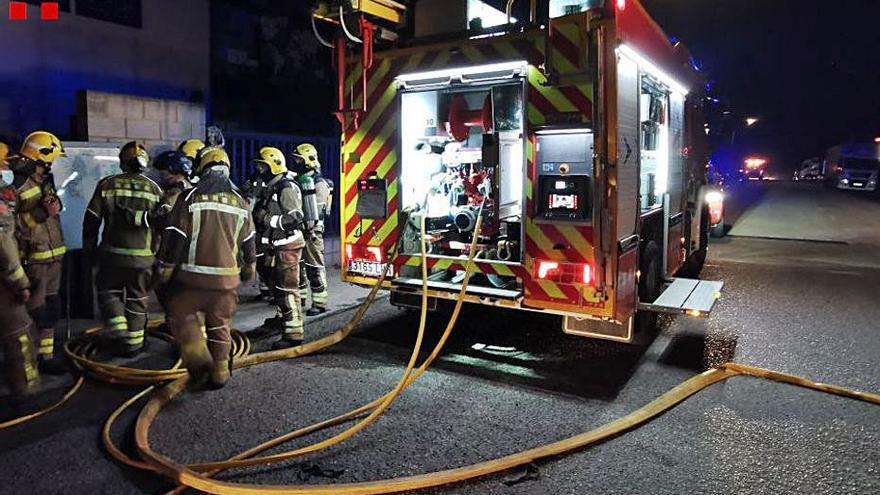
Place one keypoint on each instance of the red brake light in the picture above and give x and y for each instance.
(587, 275)
(366, 253)
(566, 273)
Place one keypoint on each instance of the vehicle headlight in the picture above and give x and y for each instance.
(714, 197)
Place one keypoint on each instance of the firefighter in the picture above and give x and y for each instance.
(208, 247)
(20, 365)
(40, 240)
(278, 216)
(317, 198)
(178, 169)
(192, 148)
(126, 204)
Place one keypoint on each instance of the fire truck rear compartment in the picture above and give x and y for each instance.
(463, 155)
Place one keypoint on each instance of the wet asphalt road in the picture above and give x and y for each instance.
(503, 385)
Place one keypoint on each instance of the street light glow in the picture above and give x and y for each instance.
(751, 121)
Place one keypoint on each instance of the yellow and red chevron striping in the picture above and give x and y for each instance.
(371, 147)
(484, 267)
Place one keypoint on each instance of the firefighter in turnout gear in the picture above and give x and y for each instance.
(278, 216)
(177, 169)
(127, 205)
(40, 240)
(317, 198)
(20, 373)
(208, 248)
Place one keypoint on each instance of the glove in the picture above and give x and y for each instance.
(247, 272)
(23, 296)
(52, 206)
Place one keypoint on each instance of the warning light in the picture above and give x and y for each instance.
(877, 139)
(753, 163)
(587, 276)
(621, 4)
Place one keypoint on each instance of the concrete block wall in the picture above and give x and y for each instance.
(159, 123)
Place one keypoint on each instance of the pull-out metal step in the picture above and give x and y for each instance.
(416, 283)
(686, 296)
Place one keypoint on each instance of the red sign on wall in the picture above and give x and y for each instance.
(48, 11)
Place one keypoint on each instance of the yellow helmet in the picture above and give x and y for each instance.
(133, 157)
(191, 148)
(4, 151)
(274, 158)
(211, 156)
(309, 155)
(42, 146)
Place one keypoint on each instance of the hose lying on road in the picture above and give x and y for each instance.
(377, 406)
(650, 411)
(77, 384)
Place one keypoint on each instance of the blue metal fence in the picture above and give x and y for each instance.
(244, 146)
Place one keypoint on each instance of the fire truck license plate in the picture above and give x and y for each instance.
(368, 268)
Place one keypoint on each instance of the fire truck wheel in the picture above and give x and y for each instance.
(650, 284)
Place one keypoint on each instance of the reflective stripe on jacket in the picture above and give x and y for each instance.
(123, 203)
(282, 204)
(40, 239)
(210, 236)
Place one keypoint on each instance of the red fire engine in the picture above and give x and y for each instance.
(578, 137)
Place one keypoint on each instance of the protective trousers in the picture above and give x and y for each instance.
(205, 352)
(122, 296)
(44, 306)
(285, 291)
(315, 276)
(20, 366)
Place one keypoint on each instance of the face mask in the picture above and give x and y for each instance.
(7, 177)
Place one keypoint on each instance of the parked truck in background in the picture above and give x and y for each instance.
(578, 135)
(853, 166)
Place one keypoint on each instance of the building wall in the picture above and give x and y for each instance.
(45, 65)
(158, 123)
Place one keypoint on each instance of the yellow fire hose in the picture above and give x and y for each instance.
(67, 395)
(650, 411)
(377, 406)
(239, 361)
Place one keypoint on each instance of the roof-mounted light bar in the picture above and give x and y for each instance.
(649, 67)
(474, 73)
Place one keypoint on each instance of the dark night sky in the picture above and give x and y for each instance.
(810, 69)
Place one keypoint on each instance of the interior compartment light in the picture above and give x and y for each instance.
(577, 130)
(652, 69)
(503, 70)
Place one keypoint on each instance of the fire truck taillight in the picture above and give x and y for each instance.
(547, 269)
(566, 273)
(365, 253)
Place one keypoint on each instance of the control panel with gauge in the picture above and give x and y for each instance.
(564, 168)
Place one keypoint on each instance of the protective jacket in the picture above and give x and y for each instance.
(278, 214)
(210, 235)
(125, 204)
(173, 191)
(40, 239)
(12, 276)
